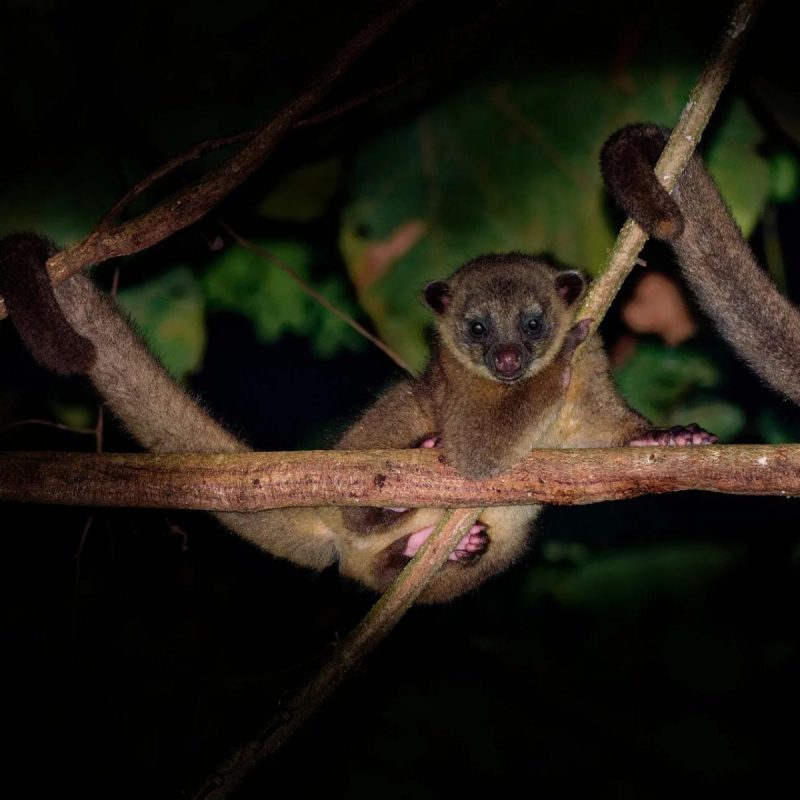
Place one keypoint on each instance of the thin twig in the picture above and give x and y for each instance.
(679, 149)
(207, 146)
(319, 298)
(192, 203)
(696, 113)
(379, 622)
(48, 423)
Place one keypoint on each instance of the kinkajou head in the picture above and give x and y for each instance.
(505, 316)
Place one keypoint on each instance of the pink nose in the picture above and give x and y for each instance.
(507, 359)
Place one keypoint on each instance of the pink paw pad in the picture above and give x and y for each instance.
(469, 549)
(472, 546)
(679, 436)
(416, 540)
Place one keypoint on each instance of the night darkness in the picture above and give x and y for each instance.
(640, 649)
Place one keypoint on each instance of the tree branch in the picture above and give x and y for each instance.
(376, 625)
(319, 298)
(679, 149)
(390, 478)
(379, 622)
(200, 149)
(190, 204)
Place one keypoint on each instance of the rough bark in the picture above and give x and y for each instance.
(413, 478)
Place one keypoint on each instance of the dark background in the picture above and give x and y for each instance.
(640, 648)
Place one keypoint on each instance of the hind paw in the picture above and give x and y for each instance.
(471, 547)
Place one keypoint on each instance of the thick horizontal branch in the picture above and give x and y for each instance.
(414, 478)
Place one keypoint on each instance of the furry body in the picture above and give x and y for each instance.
(485, 421)
(486, 424)
(498, 384)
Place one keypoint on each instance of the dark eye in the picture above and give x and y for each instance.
(477, 329)
(533, 325)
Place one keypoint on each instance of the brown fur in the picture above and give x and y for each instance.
(163, 417)
(29, 297)
(719, 266)
(486, 422)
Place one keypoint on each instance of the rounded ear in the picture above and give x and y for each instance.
(437, 296)
(569, 285)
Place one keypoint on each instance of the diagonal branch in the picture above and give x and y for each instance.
(377, 624)
(679, 149)
(190, 204)
(319, 298)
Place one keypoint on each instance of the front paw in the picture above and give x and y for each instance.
(574, 336)
(678, 436)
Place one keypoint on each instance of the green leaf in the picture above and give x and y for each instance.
(678, 385)
(303, 195)
(169, 311)
(784, 177)
(658, 377)
(617, 581)
(511, 165)
(243, 281)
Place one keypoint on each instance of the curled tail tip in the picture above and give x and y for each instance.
(668, 228)
(40, 321)
(626, 161)
(15, 244)
(638, 133)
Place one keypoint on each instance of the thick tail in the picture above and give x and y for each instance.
(31, 302)
(761, 325)
(155, 410)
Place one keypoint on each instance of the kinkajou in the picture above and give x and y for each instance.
(494, 388)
